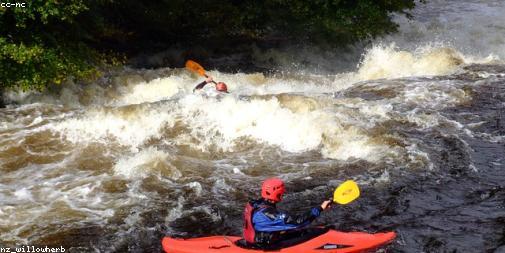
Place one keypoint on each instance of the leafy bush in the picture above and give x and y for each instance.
(39, 45)
(51, 40)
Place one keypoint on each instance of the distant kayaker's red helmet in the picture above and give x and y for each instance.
(220, 86)
(273, 189)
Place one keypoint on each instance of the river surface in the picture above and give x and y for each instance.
(418, 122)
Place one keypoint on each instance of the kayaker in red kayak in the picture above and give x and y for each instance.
(266, 226)
(220, 86)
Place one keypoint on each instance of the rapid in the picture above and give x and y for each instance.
(418, 122)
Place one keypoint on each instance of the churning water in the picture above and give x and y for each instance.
(419, 124)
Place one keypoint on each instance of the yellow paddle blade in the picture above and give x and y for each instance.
(195, 67)
(346, 192)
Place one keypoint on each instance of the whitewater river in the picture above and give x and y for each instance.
(418, 122)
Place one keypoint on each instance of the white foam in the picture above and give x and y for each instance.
(472, 27)
(175, 212)
(155, 90)
(196, 187)
(351, 143)
(226, 121)
(263, 120)
(435, 95)
(141, 164)
(391, 62)
(128, 126)
(237, 171)
(23, 194)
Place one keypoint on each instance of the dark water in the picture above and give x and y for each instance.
(456, 206)
(116, 165)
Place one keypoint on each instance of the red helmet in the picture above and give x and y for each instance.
(273, 189)
(221, 87)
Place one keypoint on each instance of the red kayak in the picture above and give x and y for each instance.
(329, 242)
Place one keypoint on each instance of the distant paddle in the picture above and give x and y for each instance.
(196, 68)
(346, 192)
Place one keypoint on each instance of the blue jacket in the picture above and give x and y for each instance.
(267, 218)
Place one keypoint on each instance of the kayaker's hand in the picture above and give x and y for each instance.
(326, 204)
(209, 79)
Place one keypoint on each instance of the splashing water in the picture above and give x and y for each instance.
(115, 165)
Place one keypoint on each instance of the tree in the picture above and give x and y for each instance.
(49, 41)
(41, 45)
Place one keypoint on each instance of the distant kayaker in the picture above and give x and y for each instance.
(220, 86)
(266, 226)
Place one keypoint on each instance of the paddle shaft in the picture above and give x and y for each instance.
(206, 76)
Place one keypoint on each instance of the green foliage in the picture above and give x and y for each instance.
(34, 67)
(39, 47)
(51, 40)
(191, 21)
(333, 21)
